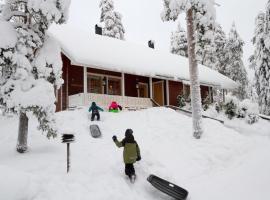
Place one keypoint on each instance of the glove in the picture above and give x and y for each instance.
(114, 138)
(138, 158)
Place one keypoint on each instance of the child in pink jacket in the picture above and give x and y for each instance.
(114, 107)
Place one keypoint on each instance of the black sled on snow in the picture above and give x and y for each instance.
(95, 131)
(168, 188)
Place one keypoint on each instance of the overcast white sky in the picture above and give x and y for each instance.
(141, 19)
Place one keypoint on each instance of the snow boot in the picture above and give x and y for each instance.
(132, 178)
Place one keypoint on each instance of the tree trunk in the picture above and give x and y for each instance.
(194, 79)
(23, 133)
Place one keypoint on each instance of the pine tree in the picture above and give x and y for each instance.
(112, 20)
(179, 43)
(208, 55)
(234, 67)
(29, 78)
(220, 43)
(200, 16)
(260, 60)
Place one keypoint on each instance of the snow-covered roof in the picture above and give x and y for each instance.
(86, 49)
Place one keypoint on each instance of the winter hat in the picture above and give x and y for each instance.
(128, 132)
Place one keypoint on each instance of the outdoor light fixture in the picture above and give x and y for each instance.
(104, 81)
(137, 83)
(68, 138)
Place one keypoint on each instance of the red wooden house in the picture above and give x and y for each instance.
(103, 69)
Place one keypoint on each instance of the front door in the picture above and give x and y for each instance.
(158, 92)
(143, 90)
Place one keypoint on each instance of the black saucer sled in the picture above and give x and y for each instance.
(168, 188)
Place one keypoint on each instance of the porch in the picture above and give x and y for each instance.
(104, 100)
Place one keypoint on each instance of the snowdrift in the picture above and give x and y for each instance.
(223, 165)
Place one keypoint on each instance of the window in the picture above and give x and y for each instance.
(94, 84)
(114, 86)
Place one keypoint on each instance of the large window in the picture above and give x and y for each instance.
(114, 86)
(94, 84)
(101, 84)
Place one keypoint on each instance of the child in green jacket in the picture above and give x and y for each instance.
(131, 152)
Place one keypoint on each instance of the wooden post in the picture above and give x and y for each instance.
(167, 93)
(151, 87)
(123, 84)
(85, 86)
(68, 153)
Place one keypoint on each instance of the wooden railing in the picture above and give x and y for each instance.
(103, 100)
(190, 113)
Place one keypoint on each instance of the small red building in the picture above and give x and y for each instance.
(103, 69)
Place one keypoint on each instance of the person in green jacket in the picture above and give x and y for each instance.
(131, 152)
(95, 111)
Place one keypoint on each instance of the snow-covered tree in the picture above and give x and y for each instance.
(113, 26)
(31, 70)
(200, 16)
(179, 43)
(234, 66)
(260, 60)
(220, 50)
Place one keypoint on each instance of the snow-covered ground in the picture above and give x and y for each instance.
(223, 165)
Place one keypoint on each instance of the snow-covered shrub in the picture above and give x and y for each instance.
(181, 102)
(248, 110)
(252, 118)
(230, 106)
(211, 111)
(218, 106)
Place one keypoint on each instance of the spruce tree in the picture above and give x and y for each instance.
(179, 43)
(234, 67)
(260, 60)
(29, 78)
(112, 20)
(213, 54)
(220, 50)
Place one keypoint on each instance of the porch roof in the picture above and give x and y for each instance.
(85, 49)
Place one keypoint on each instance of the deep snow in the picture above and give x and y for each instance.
(223, 165)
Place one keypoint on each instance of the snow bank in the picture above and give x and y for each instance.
(86, 49)
(222, 165)
(8, 36)
(13, 183)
